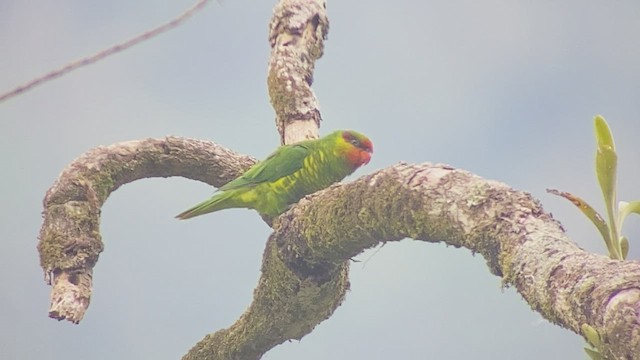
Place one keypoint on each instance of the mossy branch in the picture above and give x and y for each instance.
(304, 273)
(305, 265)
(297, 32)
(520, 242)
(70, 241)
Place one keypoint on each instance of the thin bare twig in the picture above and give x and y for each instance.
(105, 52)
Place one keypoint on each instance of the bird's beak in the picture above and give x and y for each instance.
(366, 156)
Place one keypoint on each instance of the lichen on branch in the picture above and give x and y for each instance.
(70, 242)
(519, 241)
(297, 32)
(313, 242)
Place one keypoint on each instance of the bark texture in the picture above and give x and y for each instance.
(304, 272)
(520, 242)
(297, 32)
(70, 241)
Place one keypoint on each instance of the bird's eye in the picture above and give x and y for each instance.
(355, 142)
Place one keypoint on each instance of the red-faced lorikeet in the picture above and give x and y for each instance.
(290, 173)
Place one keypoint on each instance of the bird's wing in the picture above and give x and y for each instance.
(283, 162)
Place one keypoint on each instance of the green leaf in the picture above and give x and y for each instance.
(591, 334)
(603, 133)
(593, 354)
(606, 167)
(626, 208)
(590, 212)
(624, 246)
(606, 157)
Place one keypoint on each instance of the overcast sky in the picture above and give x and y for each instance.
(505, 89)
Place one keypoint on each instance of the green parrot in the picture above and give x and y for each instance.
(290, 173)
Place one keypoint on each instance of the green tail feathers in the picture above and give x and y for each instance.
(223, 200)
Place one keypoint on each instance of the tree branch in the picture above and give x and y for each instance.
(304, 273)
(520, 242)
(88, 60)
(70, 241)
(285, 306)
(297, 32)
(306, 261)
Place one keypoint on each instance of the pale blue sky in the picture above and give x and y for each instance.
(504, 89)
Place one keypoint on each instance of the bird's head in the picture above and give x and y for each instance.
(358, 148)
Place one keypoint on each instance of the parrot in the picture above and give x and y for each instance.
(290, 173)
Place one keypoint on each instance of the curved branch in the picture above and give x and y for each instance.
(305, 264)
(70, 241)
(105, 52)
(520, 242)
(297, 32)
(304, 273)
(285, 306)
